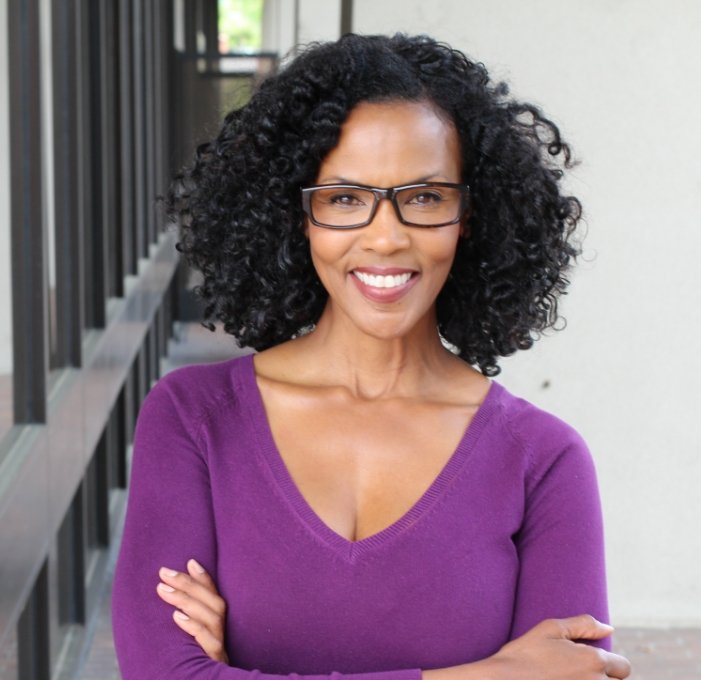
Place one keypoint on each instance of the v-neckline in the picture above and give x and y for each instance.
(309, 517)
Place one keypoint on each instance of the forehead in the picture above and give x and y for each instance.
(392, 143)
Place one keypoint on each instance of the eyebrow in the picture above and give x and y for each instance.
(436, 176)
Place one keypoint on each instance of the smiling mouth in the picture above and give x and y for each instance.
(379, 281)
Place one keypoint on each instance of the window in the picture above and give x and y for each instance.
(240, 25)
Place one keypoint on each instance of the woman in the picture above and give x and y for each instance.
(365, 500)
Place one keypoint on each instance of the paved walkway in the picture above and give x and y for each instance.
(655, 654)
(661, 654)
(101, 663)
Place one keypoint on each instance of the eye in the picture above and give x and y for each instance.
(425, 197)
(345, 198)
(341, 198)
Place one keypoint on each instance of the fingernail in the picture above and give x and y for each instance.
(196, 566)
(181, 615)
(169, 572)
(165, 588)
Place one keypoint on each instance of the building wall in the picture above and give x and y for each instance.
(290, 23)
(622, 80)
(86, 302)
(319, 20)
(280, 19)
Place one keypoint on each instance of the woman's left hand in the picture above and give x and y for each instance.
(200, 610)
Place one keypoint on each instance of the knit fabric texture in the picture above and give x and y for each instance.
(507, 535)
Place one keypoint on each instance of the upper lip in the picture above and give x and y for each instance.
(384, 271)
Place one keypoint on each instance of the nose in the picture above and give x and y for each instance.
(385, 234)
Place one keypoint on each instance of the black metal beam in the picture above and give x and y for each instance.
(26, 210)
(126, 122)
(69, 265)
(346, 16)
(33, 649)
(71, 564)
(139, 141)
(150, 125)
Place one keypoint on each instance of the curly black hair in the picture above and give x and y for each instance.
(241, 217)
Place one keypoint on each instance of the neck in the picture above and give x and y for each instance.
(373, 367)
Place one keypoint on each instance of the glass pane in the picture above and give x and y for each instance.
(6, 407)
(240, 25)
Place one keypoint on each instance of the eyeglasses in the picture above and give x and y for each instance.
(348, 206)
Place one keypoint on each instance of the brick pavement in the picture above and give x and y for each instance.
(101, 663)
(672, 654)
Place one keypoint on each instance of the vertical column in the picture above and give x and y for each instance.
(71, 564)
(346, 16)
(89, 181)
(126, 147)
(109, 144)
(162, 37)
(26, 209)
(82, 152)
(139, 140)
(69, 263)
(33, 632)
(6, 357)
(149, 120)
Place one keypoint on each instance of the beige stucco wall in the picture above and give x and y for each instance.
(289, 23)
(622, 79)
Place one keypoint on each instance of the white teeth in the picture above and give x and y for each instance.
(383, 281)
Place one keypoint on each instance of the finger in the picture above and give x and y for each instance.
(211, 645)
(194, 608)
(197, 591)
(583, 627)
(617, 666)
(199, 574)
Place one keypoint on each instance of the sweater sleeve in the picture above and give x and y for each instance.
(560, 542)
(169, 520)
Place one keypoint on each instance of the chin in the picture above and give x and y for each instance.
(391, 329)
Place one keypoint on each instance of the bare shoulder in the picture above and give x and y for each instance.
(286, 363)
(461, 384)
(290, 381)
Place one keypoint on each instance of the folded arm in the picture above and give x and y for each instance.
(170, 520)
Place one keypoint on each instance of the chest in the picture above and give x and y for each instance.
(417, 594)
(435, 587)
(360, 467)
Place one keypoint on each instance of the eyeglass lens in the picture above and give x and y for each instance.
(348, 206)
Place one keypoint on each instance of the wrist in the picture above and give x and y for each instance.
(486, 669)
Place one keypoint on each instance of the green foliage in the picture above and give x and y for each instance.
(240, 25)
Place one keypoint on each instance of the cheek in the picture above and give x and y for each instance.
(327, 248)
(442, 250)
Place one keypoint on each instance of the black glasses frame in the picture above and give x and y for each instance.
(391, 195)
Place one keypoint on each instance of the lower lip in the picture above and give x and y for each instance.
(385, 295)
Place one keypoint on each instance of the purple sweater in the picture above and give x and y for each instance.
(508, 534)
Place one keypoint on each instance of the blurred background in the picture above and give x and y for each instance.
(101, 101)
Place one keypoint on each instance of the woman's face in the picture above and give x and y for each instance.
(384, 278)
